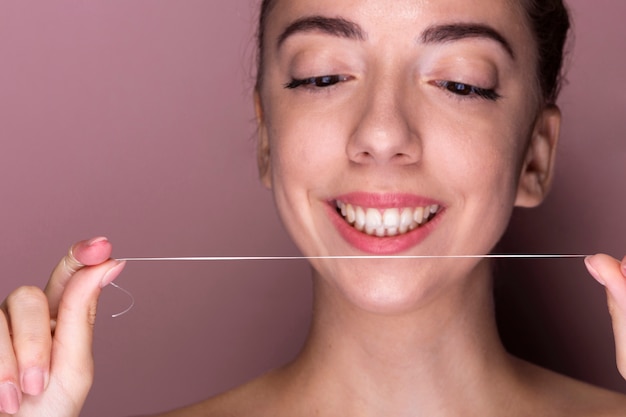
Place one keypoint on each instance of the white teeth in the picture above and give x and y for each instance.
(350, 214)
(387, 222)
(373, 221)
(342, 207)
(391, 218)
(391, 221)
(418, 215)
(359, 223)
(406, 218)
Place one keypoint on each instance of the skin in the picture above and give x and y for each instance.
(389, 337)
(399, 139)
(50, 373)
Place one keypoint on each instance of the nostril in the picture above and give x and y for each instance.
(362, 157)
(402, 158)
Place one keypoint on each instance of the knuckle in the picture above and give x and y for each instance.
(612, 308)
(38, 358)
(26, 296)
(33, 341)
(70, 263)
(78, 311)
(91, 314)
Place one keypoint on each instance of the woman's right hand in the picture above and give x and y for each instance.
(46, 362)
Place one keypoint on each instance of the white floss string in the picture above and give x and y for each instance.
(291, 258)
(295, 258)
(132, 300)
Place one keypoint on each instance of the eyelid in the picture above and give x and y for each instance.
(475, 92)
(320, 81)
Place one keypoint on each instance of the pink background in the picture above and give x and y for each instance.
(133, 119)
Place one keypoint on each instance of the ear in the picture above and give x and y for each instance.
(263, 144)
(538, 167)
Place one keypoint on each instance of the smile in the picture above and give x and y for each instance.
(386, 222)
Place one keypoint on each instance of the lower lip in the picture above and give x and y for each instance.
(374, 245)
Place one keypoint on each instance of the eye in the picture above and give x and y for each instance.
(468, 90)
(323, 81)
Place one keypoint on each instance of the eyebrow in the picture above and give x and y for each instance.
(340, 27)
(334, 26)
(458, 31)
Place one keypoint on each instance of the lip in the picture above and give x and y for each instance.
(383, 245)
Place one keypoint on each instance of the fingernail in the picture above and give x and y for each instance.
(96, 240)
(9, 399)
(593, 271)
(112, 273)
(33, 381)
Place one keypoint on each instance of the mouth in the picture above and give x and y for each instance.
(387, 222)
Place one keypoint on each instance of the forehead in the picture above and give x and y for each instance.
(398, 18)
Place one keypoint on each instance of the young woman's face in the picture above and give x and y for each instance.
(396, 127)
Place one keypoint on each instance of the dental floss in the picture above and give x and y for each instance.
(132, 301)
(291, 258)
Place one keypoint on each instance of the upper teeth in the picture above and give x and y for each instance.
(387, 222)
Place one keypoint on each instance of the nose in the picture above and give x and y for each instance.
(386, 132)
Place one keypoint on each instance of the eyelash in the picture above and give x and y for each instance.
(468, 91)
(458, 89)
(323, 81)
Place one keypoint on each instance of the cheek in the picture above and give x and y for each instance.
(480, 162)
(307, 149)
(479, 151)
(307, 158)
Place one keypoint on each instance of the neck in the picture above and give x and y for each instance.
(440, 356)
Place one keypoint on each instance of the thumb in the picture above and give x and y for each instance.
(609, 272)
(73, 335)
(81, 254)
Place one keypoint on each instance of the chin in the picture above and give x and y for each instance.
(399, 290)
(402, 286)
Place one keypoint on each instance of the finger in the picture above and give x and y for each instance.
(10, 396)
(71, 349)
(32, 340)
(612, 274)
(85, 253)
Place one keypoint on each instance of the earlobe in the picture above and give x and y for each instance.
(263, 146)
(538, 166)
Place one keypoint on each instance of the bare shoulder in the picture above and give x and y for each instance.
(559, 395)
(250, 399)
(541, 393)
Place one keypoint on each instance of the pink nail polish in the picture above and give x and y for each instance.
(9, 399)
(112, 273)
(33, 381)
(96, 240)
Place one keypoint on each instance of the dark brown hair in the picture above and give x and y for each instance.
(548, 20)
(550, 23)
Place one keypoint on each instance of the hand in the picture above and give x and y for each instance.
(612, 274)
(46, 363)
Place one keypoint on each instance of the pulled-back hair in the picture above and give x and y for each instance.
(549, 22)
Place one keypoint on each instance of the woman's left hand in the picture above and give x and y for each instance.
(611, 273)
